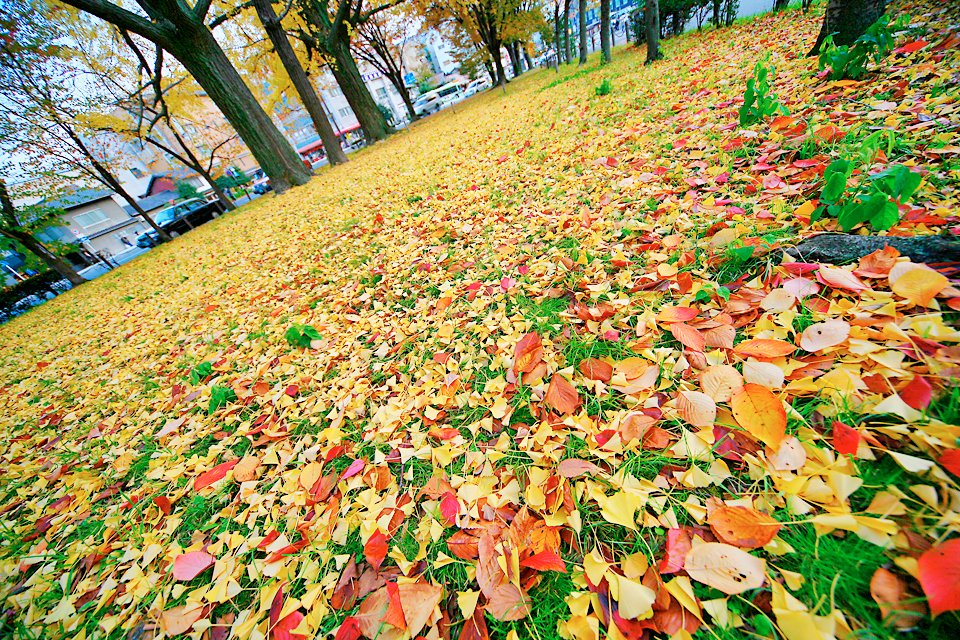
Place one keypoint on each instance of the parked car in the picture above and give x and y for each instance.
(439, 98)
(262, 185)
(180, 218)
(476, 86)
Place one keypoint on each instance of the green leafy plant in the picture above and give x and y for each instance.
(605, 88)
(200, 372)
(873, 200)
(219, 397)
(301, 335)
(759, 100)
(850, 61)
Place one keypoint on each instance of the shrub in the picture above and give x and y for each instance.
(759, 101)
(873, 200)
(851, 61)
(605, 88)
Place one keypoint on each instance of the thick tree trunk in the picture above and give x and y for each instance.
(348, 77)
(582, 14)
(841, 248)
(652, 16)
(780, 5)
(717, 17)
(605, 43)
(847, 20)
(514, 56)
(308, 95)
(208, 64)
(567, 40)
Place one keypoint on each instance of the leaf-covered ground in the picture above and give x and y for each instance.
(537, 366)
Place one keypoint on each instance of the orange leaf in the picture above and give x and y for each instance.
(561, 395)
(920, 286)
(179, 620)
(688, 336)
(846, 440)
(840, 279)
(939, 569)
(743, 526)
(669, 315)
(394, 615)
(761, 413)
(878, 263)
(216, 474)
(764, 348)
(829, 133)
(375, 550)
(889, 591)
(528, 354)
(246, 469)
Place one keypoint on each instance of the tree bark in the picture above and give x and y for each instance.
(652, 17)
(208, 64)
(780, 5)
(308, 95)
(582, 14)
(8, 228)
(847, 20)
(567, 40)
(348, 77)
(526, 55)
(514, 55)
(606, 45)
(841, 248)
(717, 18)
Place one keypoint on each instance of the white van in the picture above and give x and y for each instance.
(433, 101)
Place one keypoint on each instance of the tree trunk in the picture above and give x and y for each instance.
(308, 95)
(208, 64)
(348, 77)
(557, 24)
(582, 14)
(526, 56)
(195, 164)
(652, 16)
(716, 12)
(401, 88)
(847, 20)
(780, 5)
(31, 244)
(514, 56)
(567, 40)
(605, 44)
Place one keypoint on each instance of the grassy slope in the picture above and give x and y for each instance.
(470, 195)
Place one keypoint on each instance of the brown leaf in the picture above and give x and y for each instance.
(764, 348)
(562, 396)
(688, 336)
(594, 369)
(463, 545)
(573, 467)
(743, 526)
(889, 591)
(246, 469)
(180, 620)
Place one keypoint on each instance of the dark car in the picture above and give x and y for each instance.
(262, 185)
(180, 218)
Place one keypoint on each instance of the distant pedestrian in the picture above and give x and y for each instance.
(125, 240)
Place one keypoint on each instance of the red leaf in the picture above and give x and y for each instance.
(940, 576)
(282, 630)
(911, 47)
(216, 474)
(449, 508)
(164, 503)
(545, 561)
(846, 440)
(476, 627)
(376, 549)
(950, 460)
(917, 394)
(349, 630)
(189, 565)
(678, 543)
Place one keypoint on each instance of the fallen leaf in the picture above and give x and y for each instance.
(528, 354)
(889, 591)
(760, 413)
(189, 565)
(742, 526)
(939, 571)
(725, 567)
(824, 335)
(375, 549)
(573, 467)
(562, 396)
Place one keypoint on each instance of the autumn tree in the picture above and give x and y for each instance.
(847, 20)
(43, 112)
(328, 28)
(182, 30)
(652, 17)
(484, 21)
(298, 77)
(381, 42)
(606, 44)
(21, 228)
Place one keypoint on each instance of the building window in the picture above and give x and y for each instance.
(136, 172)
(90, 218)
(382, 93)
(345, 112)
(336, 91)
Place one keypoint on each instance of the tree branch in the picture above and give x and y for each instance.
(201, 8)
(229, 15)
(122, 18)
